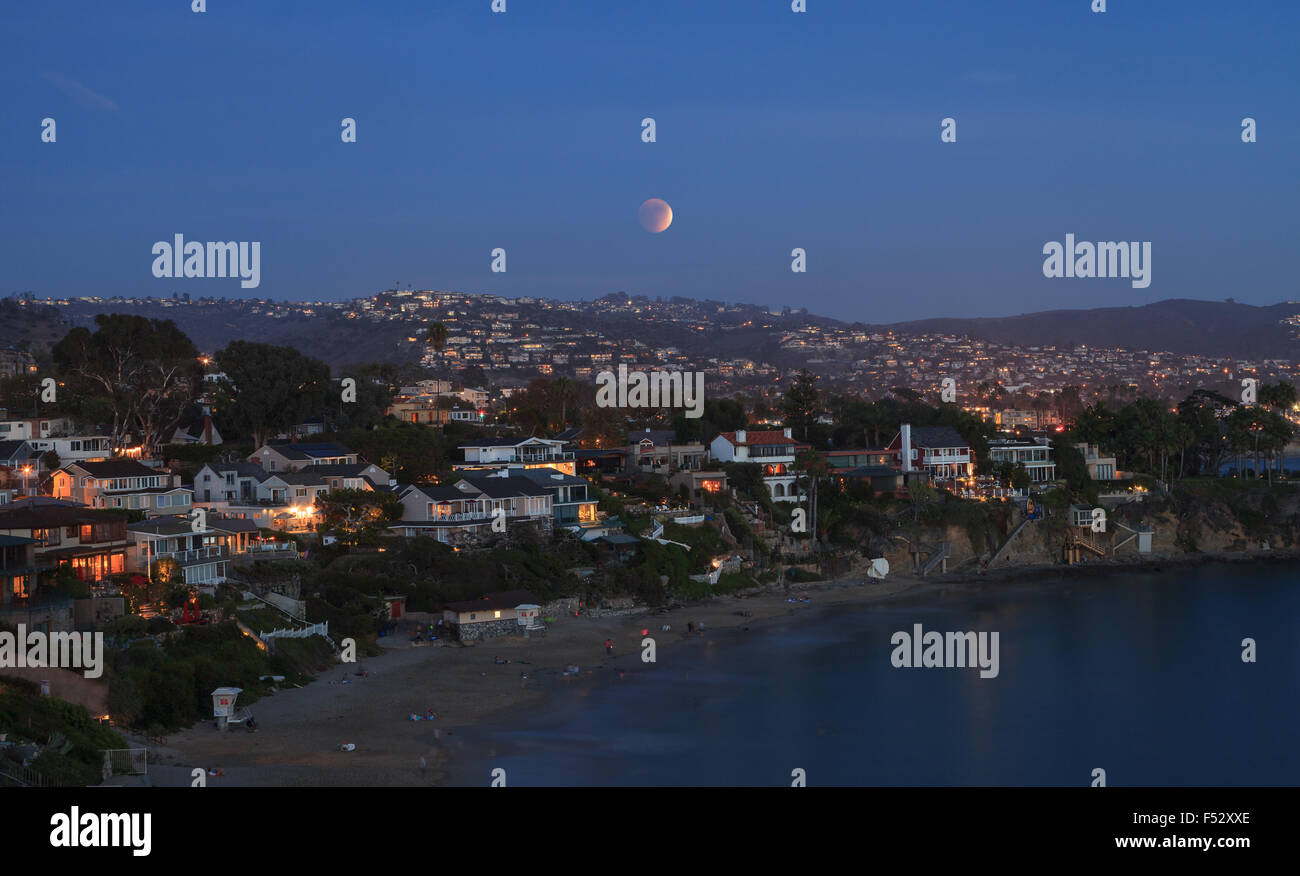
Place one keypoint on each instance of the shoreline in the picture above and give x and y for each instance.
(300, 729)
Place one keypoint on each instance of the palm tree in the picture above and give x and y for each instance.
(565, 391)
(436, 336)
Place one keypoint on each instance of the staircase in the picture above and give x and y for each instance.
(1010, 538)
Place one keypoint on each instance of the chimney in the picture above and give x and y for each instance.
(789, 432)
(207, 430)
(740, 436)
(906, 452)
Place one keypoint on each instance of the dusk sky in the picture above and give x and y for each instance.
(775, 130)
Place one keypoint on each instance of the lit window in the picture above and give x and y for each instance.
(496, 614)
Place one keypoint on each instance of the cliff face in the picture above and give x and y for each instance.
(1217, 518)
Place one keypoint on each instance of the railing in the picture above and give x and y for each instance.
(205, 553)
(456, 518)
(273, 546)
(321, 629)
(126, 762)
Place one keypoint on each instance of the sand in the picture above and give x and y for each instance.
(300, 730)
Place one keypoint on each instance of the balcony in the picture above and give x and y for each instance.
(194, 555)
(561, 456)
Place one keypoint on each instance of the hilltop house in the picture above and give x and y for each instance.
(124, 484)
(937, 450)
(773, 450)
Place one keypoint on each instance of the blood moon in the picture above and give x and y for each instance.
(655, 215)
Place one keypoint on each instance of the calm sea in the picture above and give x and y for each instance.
(1137, 674)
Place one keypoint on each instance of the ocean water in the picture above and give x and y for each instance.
(1139, 674)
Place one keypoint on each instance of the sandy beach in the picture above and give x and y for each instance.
(300, 730)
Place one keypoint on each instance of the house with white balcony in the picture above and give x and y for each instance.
(76, 448)
(1035, 456)
(464, 512)
(292, 457)
(773, 450)
(492, 454)
(195, 559)
(122, 484)
(939, 451)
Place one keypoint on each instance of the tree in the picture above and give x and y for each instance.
(436, 336)
(352, 513)
(268, 389)
(145, 371)
(800, 404)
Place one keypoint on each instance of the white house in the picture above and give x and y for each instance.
(773, 450)
(937, 450)
(1035, 456)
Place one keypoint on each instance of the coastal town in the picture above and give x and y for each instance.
(240, 521)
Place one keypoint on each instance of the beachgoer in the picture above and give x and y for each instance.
(690, 627)
(609, 647)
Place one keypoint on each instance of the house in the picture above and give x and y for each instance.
(490, 615)
(419, 411)
(659, 451)
(196, 428)
(124, 484)
(601, 462)
(1100, 468)
(774, 451)
(76, 448)
(27, 428)
(699, 483)
(200, 557)
(848, 460)
(14, 361)
(356, 476)
(571, 500)
(21, 601)
(292, 457)
(883, 478)
(18, 453)
(456, 415)
(939, 451)
(496, 453)
(92, 542)
(617, 547)
(464, 512)
(1035, 456)
(228, 482)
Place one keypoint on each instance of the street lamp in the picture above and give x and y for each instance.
(27, 469)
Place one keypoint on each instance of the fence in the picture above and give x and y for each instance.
(126, 762)
(321, 629)
(23, 777)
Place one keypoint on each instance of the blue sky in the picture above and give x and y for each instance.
(775, 130)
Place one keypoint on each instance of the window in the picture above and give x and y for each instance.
(496, 614)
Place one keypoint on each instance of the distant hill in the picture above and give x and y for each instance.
(1177, 325)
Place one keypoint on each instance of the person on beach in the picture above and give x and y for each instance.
(609, 647)
(523, 679)
(690, 627)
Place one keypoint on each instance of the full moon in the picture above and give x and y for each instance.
(655, 215)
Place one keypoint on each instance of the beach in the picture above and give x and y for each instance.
(300, 730)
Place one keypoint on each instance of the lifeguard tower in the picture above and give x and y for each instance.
(223, 705)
